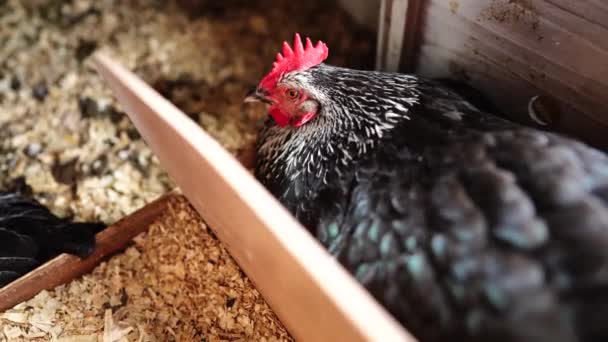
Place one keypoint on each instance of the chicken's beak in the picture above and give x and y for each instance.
(255, 96)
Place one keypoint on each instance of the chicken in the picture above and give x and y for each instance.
(465, 226)
(30, 235)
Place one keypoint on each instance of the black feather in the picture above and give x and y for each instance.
(465, 226)
(30, 235)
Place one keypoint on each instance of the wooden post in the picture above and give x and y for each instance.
(398, 28)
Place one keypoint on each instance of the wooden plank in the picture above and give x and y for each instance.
(594, 11)
(515, 50)
(65, 267)
(311, 293)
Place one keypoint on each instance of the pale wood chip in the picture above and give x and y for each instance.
(108, 327)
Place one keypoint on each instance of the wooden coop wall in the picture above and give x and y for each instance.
(513, 50)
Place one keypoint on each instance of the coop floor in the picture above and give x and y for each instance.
(64, 139)
(163, 288)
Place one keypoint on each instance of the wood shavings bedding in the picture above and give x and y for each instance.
(160, 289)
(64, 137)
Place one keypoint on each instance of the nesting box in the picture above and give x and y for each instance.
(540, 62)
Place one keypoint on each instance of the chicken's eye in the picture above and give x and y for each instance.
(292, 94)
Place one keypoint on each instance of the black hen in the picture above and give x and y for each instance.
(463, 225)
(30, 235)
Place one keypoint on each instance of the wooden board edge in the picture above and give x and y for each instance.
(65, 267)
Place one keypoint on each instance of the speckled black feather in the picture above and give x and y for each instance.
(463, 225)
(30, 235)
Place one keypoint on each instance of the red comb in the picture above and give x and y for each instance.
(300, 58)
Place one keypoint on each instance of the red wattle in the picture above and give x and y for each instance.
(279, 117)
